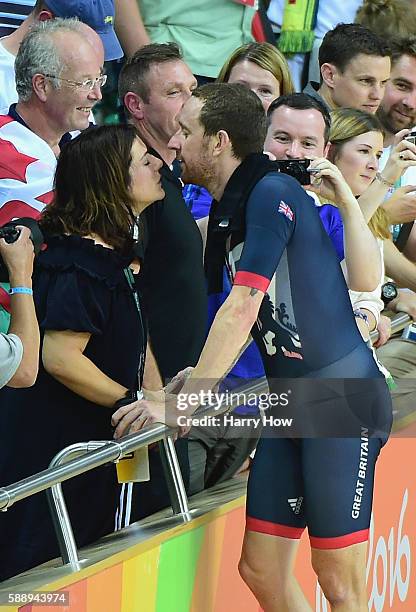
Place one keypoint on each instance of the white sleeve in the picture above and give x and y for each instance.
(370, 300)
(11, 353)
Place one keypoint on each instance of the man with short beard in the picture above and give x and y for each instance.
(397, 112)
(266, 231)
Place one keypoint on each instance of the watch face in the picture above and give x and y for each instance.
(389, 291)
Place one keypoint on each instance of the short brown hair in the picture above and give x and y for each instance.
(236, 110)
(405, 45)
(134, 72)
(91, 187)
(347, 40)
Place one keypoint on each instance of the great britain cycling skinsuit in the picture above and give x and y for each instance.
(306, 330)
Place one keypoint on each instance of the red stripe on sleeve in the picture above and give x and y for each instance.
(249, 279)
(275, 529)
(341, 541)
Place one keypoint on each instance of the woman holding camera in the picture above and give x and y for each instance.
(93, 337)
(356, 139)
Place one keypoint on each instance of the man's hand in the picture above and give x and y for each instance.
(18, 257)
(404, 302)
(384, 331)
(401, 207)
(142, 413)
(178, 381)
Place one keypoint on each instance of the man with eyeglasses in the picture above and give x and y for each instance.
(99, 16)
(58, 81)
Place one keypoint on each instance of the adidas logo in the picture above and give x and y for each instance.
(295, 503)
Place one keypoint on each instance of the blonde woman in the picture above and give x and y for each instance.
(261, 67)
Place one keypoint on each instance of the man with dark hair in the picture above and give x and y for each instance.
(355, 68)
(396, 113)
(136, 70)
(298, 127)
(265, 228)
(154, 84)
(398, 107)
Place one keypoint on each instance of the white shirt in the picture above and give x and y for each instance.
(11, 353)
(8, 93)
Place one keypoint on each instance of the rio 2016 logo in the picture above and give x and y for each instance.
(388, 567)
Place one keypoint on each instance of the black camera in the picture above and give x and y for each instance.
(10, 232)
(411, 137)
(298, 168)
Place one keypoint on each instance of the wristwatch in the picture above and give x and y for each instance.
(388, 292)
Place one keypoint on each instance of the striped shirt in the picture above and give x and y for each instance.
(13, 13)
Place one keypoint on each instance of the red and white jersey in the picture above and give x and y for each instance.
(27, 168)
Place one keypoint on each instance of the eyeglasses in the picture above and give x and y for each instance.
(87, 85)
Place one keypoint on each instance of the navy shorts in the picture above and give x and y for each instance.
(323, 483)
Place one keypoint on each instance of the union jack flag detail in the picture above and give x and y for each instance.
(286, 210)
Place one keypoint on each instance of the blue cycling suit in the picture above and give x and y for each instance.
(306, 330)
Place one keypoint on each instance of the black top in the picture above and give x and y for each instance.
(78, 286)
(173, 282)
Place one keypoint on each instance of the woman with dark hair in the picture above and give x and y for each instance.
(93, 337)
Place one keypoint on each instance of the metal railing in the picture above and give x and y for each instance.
(89, 455)
(93, 454)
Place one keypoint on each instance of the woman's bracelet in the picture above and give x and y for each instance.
(384, 181)
(21, 290)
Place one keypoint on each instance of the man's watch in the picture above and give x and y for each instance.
(388, 292)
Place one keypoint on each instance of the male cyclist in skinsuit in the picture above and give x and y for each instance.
(289, 294)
